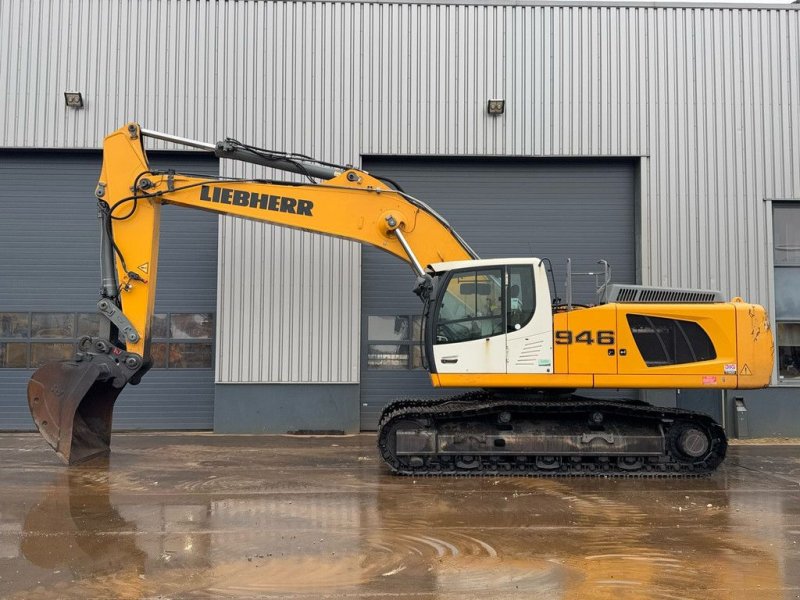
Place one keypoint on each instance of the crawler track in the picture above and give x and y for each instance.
(480, 433)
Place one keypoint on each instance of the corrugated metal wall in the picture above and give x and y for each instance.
(708, 95)
(289, 303)
(331, 78)
(724, 121)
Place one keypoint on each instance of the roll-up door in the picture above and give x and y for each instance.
(503, 207)
(49, 285)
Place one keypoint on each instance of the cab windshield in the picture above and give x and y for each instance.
(472, 306)
(485, 302)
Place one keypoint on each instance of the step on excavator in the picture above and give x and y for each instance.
(492, 325)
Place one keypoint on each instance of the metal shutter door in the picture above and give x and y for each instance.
(503, 207)
(49, 261)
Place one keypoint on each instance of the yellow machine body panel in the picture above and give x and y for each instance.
(590, 341)
(755, 346)
(717, 320)
(723, 345)
(560, 351)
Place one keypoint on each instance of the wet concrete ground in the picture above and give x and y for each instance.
(201, 515)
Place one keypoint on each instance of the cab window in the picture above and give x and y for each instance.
(472, 306)
(521, 298)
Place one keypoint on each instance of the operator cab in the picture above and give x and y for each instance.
(489, 316)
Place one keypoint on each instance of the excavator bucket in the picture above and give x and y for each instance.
(72, 403)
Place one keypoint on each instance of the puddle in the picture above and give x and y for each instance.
(264, 528)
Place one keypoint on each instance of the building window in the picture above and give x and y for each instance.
(786, 254)
(182, 341)
(394, 342)
(29, 340)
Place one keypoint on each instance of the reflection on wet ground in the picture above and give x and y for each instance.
(200, 516)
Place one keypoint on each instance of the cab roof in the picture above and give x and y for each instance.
(442, 267)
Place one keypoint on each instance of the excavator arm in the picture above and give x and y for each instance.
(72, 401)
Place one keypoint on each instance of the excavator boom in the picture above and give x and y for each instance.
(350, 204)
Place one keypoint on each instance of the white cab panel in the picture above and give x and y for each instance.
(530, 348)
(486, 355)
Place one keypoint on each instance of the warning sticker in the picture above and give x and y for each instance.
(144, 267)
(730, 369)
(709, 380)
(745, 371)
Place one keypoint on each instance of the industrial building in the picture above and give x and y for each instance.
(664, 139)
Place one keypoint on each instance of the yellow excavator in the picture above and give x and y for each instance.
(492, 325)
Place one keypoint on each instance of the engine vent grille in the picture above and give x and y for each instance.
(641, 294)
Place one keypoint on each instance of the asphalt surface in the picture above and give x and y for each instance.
(211, 516)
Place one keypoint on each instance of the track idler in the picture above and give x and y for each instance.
(72, 402)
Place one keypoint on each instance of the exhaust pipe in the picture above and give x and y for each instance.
(72, 402)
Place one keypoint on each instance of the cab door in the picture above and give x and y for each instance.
(529, 324)
(470, 334)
